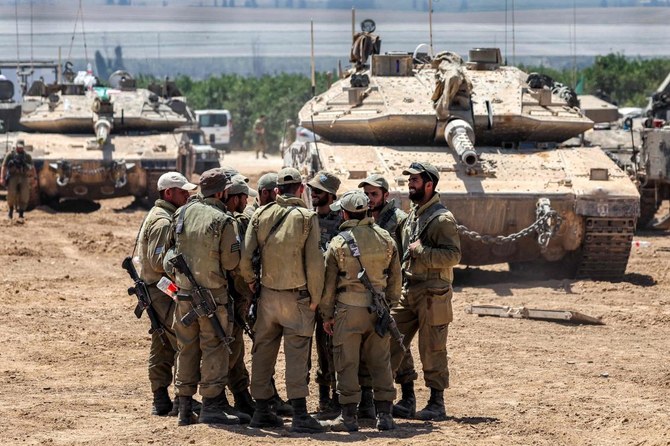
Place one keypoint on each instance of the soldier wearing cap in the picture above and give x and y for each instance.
(292, 270)
(323, 188)
(259, 136)
(17, 166)
(431, 248)
(207, 238)
(345, 307)
(238, 375)
(385, 212)
(151, 247)
(266, 193)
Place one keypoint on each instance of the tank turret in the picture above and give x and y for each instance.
(495, 133)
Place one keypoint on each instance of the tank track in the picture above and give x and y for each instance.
(607, 243)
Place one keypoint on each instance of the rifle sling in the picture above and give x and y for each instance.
(386, 217)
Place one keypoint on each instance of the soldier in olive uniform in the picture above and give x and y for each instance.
(259, 136)
(238, 375)
(391, 218)
(266, 193)
(431, 248)
(15, 175)
(323, 188)
(345, 297)
(292, 271)
(207, 238)
(151, 247)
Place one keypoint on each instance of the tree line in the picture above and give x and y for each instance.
(626, 81)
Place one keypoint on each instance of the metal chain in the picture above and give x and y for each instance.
(547, 225)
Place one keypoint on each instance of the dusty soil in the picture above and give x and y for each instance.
(73, 363)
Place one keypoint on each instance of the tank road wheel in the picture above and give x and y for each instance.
(649, 204)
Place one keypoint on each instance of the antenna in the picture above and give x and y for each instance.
(430, 25)
(574, 43)
(513, 37)
(353, 23)
(506, 32)
(311, 24)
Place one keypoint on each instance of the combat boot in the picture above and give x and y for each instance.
(406, 407)
(186, 415)
(347, 421)
(434, 410)
(10, 214)
(280, 407)
(366, 408)
(264, 416)
(384, 419)
(329, 409)
(302, 421)
(213, 412)
(244, 403)
(227, 408)
(20, 214)
(162, 404)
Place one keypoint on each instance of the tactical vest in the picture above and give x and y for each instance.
(376, 250)
(389, 218)
(199, 243)
(18, 163)
(330, 227)
(155, 215)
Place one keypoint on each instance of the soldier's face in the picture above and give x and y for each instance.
(177, 196)
(242, 202)
(267, 196)
(319, 197)
(376, 196)
(417, 188)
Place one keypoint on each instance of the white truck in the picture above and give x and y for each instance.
(217, 126)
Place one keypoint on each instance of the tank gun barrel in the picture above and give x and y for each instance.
(102, 128)
(461, 138)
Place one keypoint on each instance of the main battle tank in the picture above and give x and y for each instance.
(494, 133)
(98, 142)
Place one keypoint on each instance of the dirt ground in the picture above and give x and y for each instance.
(73, 363)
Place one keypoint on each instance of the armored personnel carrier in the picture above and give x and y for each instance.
(96, 142)
(494, 133)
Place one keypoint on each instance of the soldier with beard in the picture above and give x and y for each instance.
(390, 218)
(431, 247)
(323, 188)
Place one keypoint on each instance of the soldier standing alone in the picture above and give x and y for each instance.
(151, 246)
(431, 248)
(292, 270)
(17, 166)
(259, 136)
(361, 246)
(205, 235)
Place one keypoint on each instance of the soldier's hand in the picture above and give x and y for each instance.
(328, 326)
(413, 246)
(313, 306)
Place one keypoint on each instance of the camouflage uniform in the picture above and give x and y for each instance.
(354, 336)
(210, 245)
(259, 136)
(425, 307)
(152, 246)
(16, 168)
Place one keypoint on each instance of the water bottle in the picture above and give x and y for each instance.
(168, 287)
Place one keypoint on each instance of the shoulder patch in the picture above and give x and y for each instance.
(235, 247)
(158, 250)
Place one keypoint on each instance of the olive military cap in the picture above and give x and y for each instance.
(213, 181)
(352, 201)
(288, 175)
(174, 179)
(415, 168)
(325, 181)
(375, 180)
(267, 181)
(239, 186)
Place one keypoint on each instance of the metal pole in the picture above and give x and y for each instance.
(312, 58)
(430, 25)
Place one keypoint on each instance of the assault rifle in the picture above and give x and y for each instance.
(380, 306)
(144, 301)
(203, 303)
(236, 299)
(253, 308)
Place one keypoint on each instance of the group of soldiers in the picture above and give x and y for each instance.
(17, 167)
(284, 268)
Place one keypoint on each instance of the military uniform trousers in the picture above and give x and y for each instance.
(354, 338)
(202, 358)
(426, 312)
(18, 192)
(238, 375)
(325, 373)
(162, 357)
(287, 314)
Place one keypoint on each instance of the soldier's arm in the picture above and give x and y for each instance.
(250, 245)
(327, 305)
(158, 237)
(229, 247)
(394, 280)
(3, 169)
(314, 264)
(446, 249)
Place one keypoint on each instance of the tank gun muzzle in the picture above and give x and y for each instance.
(461, 138)
(102, 129)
